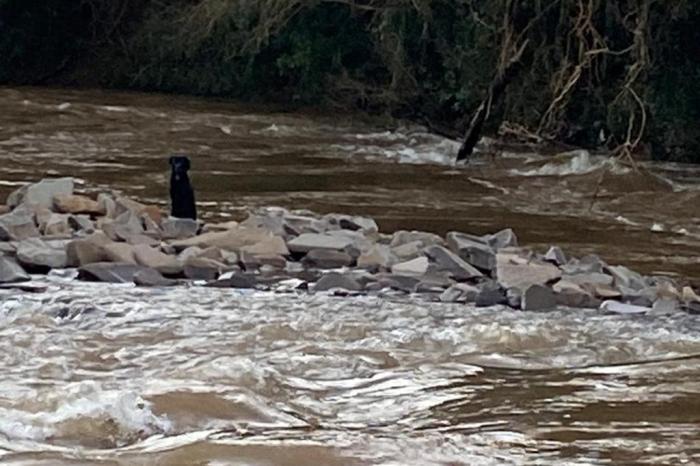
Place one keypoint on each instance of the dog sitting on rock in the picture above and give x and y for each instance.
(181, 192)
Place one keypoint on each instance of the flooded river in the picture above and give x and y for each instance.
(117, 375)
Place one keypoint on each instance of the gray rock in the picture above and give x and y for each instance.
(515, 298)
(270, 246)
(415, 267)
(58, 225)
(587, 264)
(615, 307)
(110, 272)
(644, 297)
(273, 261)
(515, 272)
(155, 259)
(403, 283)
(503, 239)
(41, 193)
(378, 257)
(445, 260)
(107, 205)
(39, 255)
(570, 294)
(408, 251)
(327, 259)
(232, 239)
(11, 271)
(353, 223)
(473, 250)
(83, 251)
(238, 280)
(589, 279)
(201, 268)
(178, 228)
(152, 278)
(18, 225)
(555, 255)
(333, 281)
(627, 278)
(8, 248)
(426, 239)
(491, 294)
(460, 293)
(538, 298)
(665, 306)
(81, 223)
(309, 241)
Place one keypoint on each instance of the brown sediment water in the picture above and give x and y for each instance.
(192, 376)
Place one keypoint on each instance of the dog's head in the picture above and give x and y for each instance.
(179, 163)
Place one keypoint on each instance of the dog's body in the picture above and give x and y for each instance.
(181, 193)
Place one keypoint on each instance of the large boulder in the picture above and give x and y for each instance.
(414, 267)
(627, 278)
(445, 260)
(503, 239)
(378, 257)
(309, 241)
(472, 249)
(231, 240)
(538, 298)
(269, 246)
(327, 259)
(155, 259)
(11, 271)
(572, 294)
(18, 225)
(39, 255)
(333, 281)
(77, 204)
(83, 251)
(41, 193)
(110, 272)
(514, 271)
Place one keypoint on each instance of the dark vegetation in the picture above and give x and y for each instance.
(575, 65)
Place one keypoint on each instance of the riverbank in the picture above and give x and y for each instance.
(111, 238)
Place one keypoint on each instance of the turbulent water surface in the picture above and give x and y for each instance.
(96, 374)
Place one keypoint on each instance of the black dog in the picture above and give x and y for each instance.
(181, 193)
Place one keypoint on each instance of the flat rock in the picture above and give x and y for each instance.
(110, 272)
(76, 204)
(615, 307)
(11, 271)
(309, 241)
(332, 281)
(152, 278)
(415, 267)
(81, 252)
(445, 260)
(327, 259)
(17, 226)
(41, 193)
(201, 268)
(473, 250)
(589, 279)
(178, 228)
(425, 239)
(36, 254)
(377, 257)
(229, 240)
(513, 272)
(270, 246)
(120, 253)
(538, 298)
(155, 259)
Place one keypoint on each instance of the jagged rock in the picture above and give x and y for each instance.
(18, 225)
(408, 251)
(178, 228)
(627, 278)
(515, 272)
(81, 252)
(327, 259)
(378, 257)
(152, 278)
(39, 255)
(110, 272)
(81, 223)
(573, 295)
(589, 279)
(426, 239)
(491, 294)
(460, 293)
(230, 240)
(76, 204)
(332, 281)
(155, 259)
(201, 268)
(587, 264)
(107, 204)
(538, 298)
(272, 245)
(239, 280)
(11, 271)
(445, 260)
(41, 193)
(120, 253)
(58, 225)
(503, 239)
(644, 297)
(473, 250)
(309, 241)
(415, 267)
(555, 255)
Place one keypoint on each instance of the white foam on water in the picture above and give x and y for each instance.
(578, 162)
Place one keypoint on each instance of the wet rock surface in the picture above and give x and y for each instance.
(47, 227)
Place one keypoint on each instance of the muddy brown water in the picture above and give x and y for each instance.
(96, 374)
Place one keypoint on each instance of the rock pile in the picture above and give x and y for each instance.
(111, 238)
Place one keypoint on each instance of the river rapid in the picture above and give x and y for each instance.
(118, 375)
